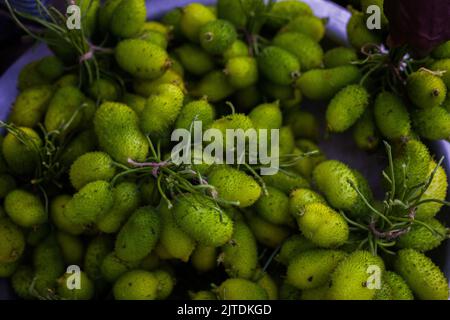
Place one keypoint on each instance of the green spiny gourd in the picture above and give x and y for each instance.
(339, 56)
(421, 238)
(234, 185)
(138, 237)
(266, 233)
(400, 290)
(307, 51)
(90, 203)
(241, 72)
(233, 11)
(237, 49)
(436, 190)
(146, 88)
(86, 290)
(240, 254)
(128, 18)
(278, 65)
(198, 110)
(96, 251)
(200, 218)
(308, 25)
(214, 86)
(194, 16)
(7, 184)
(240, 289)
(358, 33)
(22, 153)
(166, 283)
(286, 181)
(284, 11)
(90, 167)
(312, 269)
(83, 142)
(300, 197)
(25, 209)
(425, 279)
(58, 217)
(355, 277)
(264, 280)
(104, 90)
(204, 258)
(136, 285)
(12, 242)
(161, 110)
(216, 36)
(177, 243)
(425, 89)
(117, 130)
(323, 84)
(304, 124)
(432, 123)
(141, 58)
(293, 246)
(346, 108)
(8, 269)
(134, 101)
(365, 132)
(443, 66)
(22, 281)
(287, 141)
(112, 267)
(126, 199)
(194, 59)
(442, 51)
(391, 116)
(72, 248)
(30, 106)
(323, 226)
(266, 116)
(274, 207)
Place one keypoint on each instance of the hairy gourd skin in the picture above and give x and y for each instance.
(266, 233)
(128, 18)
(194, 59)
(357, 31)
(25, 209)
(136, 285)
(308, 52)
(177, 243)
(415, 156)
(234, 185)
(436, 190)
(323, 84)
(332, 179)
(161, 111)
(141, 58)
(204, 258)
(346, 107)
(312, 269)
(217, 36)
(365, 132)
(293, 246)
(126, 199)
(432, 123)
(424, 278)
(422, 239)
(425, 89)
(82, 143)
(21, 158)
(117, 130)
(12, 242)
(90, 203)
(286, 181)
(194, 16)
(139, 235)
(240, 289)
(391, 116)
(242, 72)
(266, 116)
(198, 110)
(72, 248)
(90, 167)
(300, 197)
(85, 292)
(112, 267)
(339, 56)
(274, 207)
(308, 25)
(349, 281)
(21, 282)
(323, 226)
(278, 65)
(197, 216)
(237, 49)
(283, 11)
(96, 251)
(400, 290)
(58, 217)
(233, 11)
(30, 106)
(304, 124)
(214, 86)
(240, 255)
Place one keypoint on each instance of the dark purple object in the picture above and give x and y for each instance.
(421, 24)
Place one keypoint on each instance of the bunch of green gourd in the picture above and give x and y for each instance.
(86, 177)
